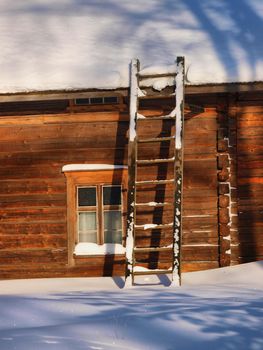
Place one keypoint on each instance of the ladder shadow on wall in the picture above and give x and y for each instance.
(163, 172)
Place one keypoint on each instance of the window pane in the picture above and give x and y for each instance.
(82, 101)
(111, 99)
(111, 195)
(88, 227)
(96, 100)
(112, 220)
(88, 237)
(113, 226)
(86, 196)
(87, 221)
(113, 237)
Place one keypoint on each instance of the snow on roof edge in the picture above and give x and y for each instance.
(120, 90)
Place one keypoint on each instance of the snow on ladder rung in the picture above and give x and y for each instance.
(153, 226)
(154, 182)
(153, 204)
(140, 116)
(153, 161)
(157, 139)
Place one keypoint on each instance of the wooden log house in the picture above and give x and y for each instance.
(56, 190)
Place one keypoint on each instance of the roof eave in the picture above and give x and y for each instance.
(210, 88)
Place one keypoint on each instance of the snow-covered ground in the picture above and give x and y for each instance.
(217, 309)
(66, 44)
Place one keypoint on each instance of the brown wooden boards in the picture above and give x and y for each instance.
(248, 243)
(33, 187)
(200, 214)
(33, 202)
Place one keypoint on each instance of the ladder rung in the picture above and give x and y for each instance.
(153, 204)
(153, 161)
(153, 226)
(151, 94)
(152, 249)
(154, 182)
(156, 75)
(157, 139)
(152, 272)
(164, 117)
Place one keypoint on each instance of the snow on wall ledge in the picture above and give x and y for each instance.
(221, 41)
(90, 167)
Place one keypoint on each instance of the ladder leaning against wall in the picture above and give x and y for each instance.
(136, 185)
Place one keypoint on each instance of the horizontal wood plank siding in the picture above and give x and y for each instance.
(37, 139)
(33, 201)
(200, 200)
(248, 242)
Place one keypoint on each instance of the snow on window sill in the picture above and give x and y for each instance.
(95, 249)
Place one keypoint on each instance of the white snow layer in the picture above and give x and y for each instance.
(70, 44)
(178, 109)
(217, 309)
(95, 249)
(87, 167)
(148, 226)
(153, 204)
(134, 100)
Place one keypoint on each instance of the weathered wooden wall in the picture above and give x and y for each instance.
(247, 243)
(37, 139)
(33, 226)
(240, 138)
(200, 214)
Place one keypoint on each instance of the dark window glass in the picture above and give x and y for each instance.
(111, 195)
(86, 196)
(82, 101)
(112, 99)
(96, 100)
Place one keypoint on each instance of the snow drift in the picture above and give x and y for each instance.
(217, 309)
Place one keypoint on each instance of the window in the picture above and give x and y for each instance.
(96, 208)
(97, 100)
(99, 214)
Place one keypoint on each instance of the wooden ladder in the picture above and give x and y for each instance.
(176, 116)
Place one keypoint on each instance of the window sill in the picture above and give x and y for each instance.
(88, 249)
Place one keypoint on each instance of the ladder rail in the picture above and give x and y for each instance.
(132, 156)
(178, 169)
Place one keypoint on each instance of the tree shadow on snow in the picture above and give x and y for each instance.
(134, 319)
